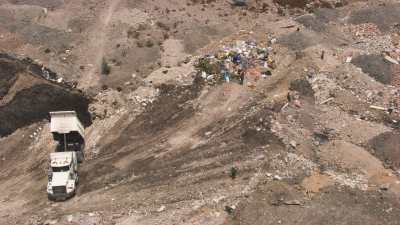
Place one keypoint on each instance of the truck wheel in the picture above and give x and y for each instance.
(50, 198)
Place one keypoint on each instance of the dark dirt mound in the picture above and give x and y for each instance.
(383, 16)
(34, 102)
(319, 19)
(387, 148)
(52, 4)
(172, 106)
(162, 120)
(326, 15)
(375, 66)
(303, 87)
(7, 76)
(292, 3)
(10, 66)
(297, 41)
(311, 22)
(310, 4)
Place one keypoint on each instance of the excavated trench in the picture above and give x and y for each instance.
(27, 95)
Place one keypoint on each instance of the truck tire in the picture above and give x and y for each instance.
(50, 198)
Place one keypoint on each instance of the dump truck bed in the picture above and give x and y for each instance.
(65, 122)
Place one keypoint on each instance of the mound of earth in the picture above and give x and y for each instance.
(375, 66)
(277, 127)
(26, 96)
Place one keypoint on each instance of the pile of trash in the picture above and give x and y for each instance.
(243, 62)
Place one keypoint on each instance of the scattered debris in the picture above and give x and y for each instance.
(230, 209)
(162, 208)
(326, 101)
(293, 144)
(292, 202)
(384, 187)
(391, 60)
(244, 60)
(277, 177)
(377, 107)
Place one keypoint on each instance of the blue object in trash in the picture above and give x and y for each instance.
(237, 58)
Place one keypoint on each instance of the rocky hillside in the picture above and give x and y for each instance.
(204, 112)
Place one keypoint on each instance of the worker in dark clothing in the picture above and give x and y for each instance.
(241, 75)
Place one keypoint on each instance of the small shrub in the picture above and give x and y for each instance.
(133, 34)
(162, 25)
(149, 43)
(104, 87)
(142, 27)
(205, 65)
(233, 173)
(165, 36)
(139, 44)
(105, 68)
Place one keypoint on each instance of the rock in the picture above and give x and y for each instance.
(51, 222)
(277, 177)
(391, 60)
(384, 187)
(297, 103)
(187, 60)
(293, 144)
(162, 208)
(204, 75)
(292, 202)
(239, 2)
(230, 209)
(70, 218)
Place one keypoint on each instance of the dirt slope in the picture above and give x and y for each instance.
(27, 96)
(168, 146)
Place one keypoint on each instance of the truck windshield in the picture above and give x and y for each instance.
(60, 169)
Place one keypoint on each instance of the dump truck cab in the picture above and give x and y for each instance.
(63, 175)
(68, 131)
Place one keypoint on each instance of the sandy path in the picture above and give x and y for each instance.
(97, 43)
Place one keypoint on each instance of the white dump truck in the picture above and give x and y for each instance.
(68, 131)
(63, 175)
